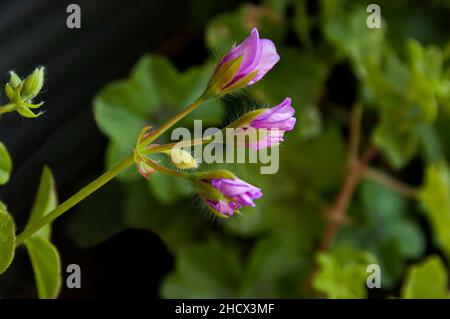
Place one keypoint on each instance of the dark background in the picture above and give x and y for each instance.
(78, 63)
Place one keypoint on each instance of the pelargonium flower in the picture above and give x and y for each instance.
(244, 65)
(270, 124)
(233, 193)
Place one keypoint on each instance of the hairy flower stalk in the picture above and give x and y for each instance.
(224, 193)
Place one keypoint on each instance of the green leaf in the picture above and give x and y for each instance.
(427, 280)
(43, 254)
(99, 217)
(227, 29)
(271, 261)
(210, 270)
(45, 201)
(319, 163)
(343, 273)
(435, 197)
(5, 164)
(362, 45)
(46, 266)
(175, 224)
(7, 239)
(383, 224)
(300, 77)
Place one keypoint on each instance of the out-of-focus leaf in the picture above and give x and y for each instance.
(209, 270)
(383, 227)
(271, 261)
(175, 224)
(353, 39)
(435, 197)
(227, 29)
(343, 273)
(319, 163)
(169, 189)
(300, 77)
(7, 239)
(302, 23)
(46, 266)
(5, 164)
(427, 280)
(100, 217)
(396, 138)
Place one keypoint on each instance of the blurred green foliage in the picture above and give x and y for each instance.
(399, 73)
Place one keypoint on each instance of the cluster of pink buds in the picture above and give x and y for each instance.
(223, 192)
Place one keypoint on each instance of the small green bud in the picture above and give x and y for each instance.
(33, 84)
(181, 159)
(10, 92)
(14, 80)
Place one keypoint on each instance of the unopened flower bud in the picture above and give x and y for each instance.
(14, 80)
(181, 159)
(33, 84)
(243, 65)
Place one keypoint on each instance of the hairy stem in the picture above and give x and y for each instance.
(75, 199)
(174, 120)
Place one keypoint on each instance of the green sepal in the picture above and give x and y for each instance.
(10, 93)
(246, 119)
(224, 75)
(206, 190)
(240, 84)
(26, 112)
(220, 173)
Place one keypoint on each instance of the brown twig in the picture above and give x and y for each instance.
(356, 166)
(390, 182)
(338, 211)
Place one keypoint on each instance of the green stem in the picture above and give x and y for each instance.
(106, 177)
(75, 199)
(7, 108)
(174, 120)
(165, 170)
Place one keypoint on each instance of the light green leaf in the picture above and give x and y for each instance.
(7, 239)
(427, 280)
(5, 164)
(343, 273)
(45, 201)
(46, 266)
(43, 254)
(435, 197)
